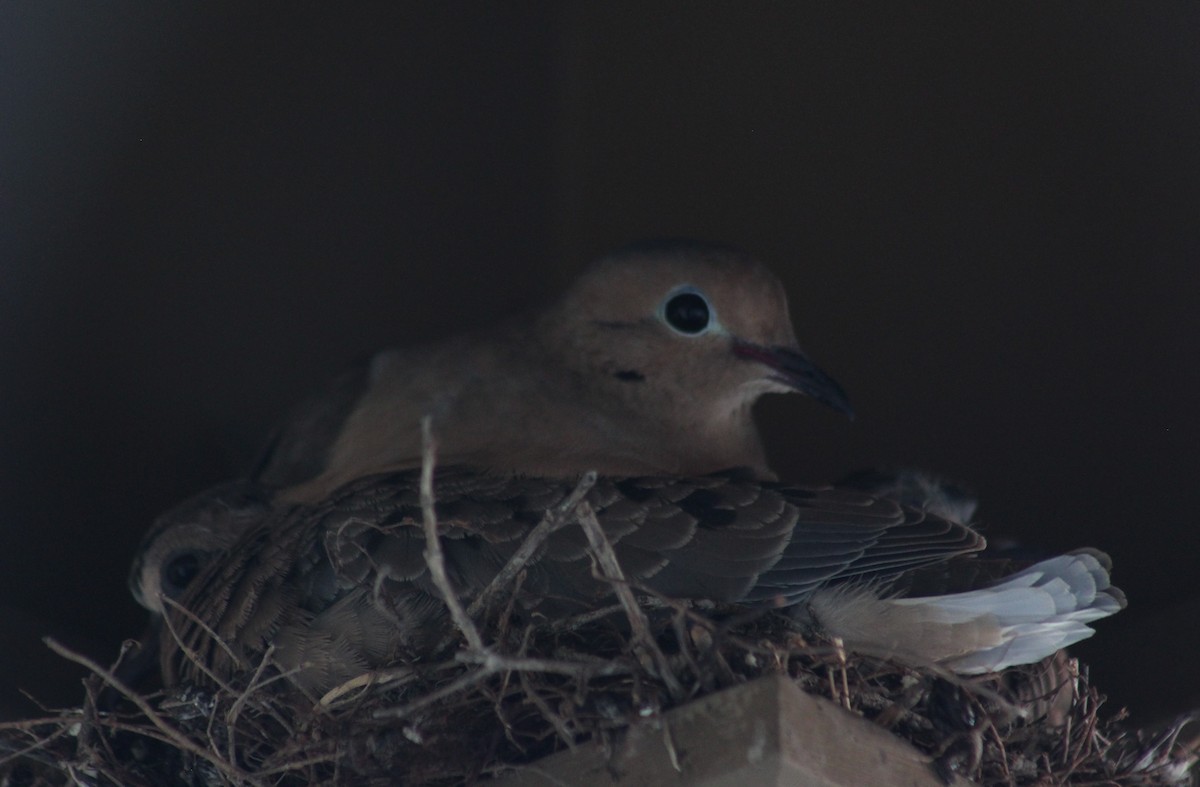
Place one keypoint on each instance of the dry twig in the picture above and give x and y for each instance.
(554, 519)
(643, 640)
(512, 695)
(172, 734)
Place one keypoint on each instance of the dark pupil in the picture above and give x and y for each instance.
(182, 570)
(688, 312)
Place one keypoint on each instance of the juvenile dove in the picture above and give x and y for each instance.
(342, 587)
(650, 363)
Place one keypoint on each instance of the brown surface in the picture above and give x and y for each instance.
(767, 732)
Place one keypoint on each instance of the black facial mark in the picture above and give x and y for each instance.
(630, 376)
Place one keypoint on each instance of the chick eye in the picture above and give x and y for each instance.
(179, 572)
(687, 312)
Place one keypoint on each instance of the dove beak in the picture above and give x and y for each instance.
(793, 369)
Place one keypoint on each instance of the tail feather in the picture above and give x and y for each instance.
(1019, 620)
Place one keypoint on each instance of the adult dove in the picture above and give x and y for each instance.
(341, 587)
(649, 363)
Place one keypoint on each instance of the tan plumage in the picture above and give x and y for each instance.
(646, 371)
(343, 586)
(603, 379)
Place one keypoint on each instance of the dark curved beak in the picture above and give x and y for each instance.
(795, 370)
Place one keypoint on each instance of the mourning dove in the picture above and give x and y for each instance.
(343, 586)
(650, 363)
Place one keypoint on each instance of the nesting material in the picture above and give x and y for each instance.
(633, 694)
(542, 688)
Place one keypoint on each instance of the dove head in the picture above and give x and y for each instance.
(701, 324)
(183, 541)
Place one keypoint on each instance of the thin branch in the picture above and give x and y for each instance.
(458, 684)
(434, 556)
(37, 745)
(560, 725)
(643, 640)
(366, 680)
(554, 518)
(493, 662)
(177, 738)
(231, 716)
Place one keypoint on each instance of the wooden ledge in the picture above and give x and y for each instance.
(767, 732)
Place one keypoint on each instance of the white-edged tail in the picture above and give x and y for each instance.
(1020, 620)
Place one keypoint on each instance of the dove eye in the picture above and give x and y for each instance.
(179, 572)
(687, 312)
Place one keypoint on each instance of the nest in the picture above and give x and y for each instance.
(515, 688)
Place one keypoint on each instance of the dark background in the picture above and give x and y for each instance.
(987, 218)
